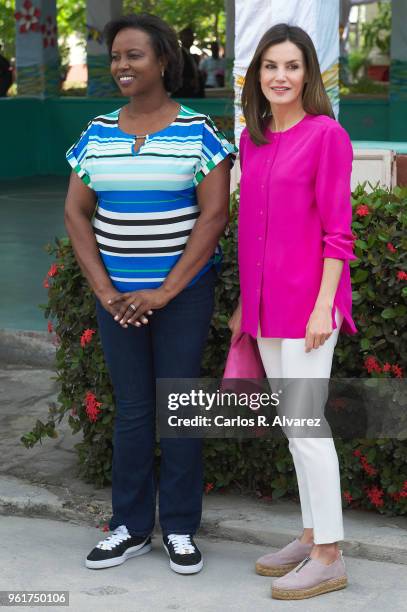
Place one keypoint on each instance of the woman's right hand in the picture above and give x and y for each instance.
(235, 321)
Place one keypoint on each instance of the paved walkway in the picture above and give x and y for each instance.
(45, 554)
(50, 523)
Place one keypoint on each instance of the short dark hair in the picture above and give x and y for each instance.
(163, 39)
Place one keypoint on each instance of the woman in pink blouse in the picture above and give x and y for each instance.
(295, 244)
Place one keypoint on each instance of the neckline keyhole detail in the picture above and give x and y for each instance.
(139, 142)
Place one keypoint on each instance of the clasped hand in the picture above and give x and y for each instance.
(132, 307)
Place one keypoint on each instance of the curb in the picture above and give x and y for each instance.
(232, 530)
(19, 498)
(27, 348)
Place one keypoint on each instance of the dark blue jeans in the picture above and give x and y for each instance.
(169, 346)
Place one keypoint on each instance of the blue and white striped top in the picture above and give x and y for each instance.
(146, 200)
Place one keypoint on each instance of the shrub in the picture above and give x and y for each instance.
(373, 472)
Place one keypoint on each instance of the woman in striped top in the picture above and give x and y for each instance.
(146, 206)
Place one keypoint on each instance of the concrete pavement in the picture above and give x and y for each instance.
(50, 517)
(41, 554)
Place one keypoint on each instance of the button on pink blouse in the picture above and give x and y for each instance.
(295, 210)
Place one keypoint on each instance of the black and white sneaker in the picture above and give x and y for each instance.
(185, 556)
(117, 548)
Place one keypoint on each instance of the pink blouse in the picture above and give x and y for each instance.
(295, 210)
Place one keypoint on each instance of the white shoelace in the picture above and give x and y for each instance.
(181, 543)
(118, 536)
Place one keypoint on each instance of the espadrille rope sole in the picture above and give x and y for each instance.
(319, 589)
(274, 570)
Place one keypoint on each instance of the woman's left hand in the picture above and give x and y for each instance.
(319, 328)
(136, 304)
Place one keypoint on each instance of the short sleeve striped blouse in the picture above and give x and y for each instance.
(146, 200)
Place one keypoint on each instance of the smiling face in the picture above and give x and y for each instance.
(134, 64)
(282, 74)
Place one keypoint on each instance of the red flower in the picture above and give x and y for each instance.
(339, 403)
(50, 327)
(375, 495)
(208, 487)
(45, 283)
(362, 210)
(53, 271)
(357, 453)
(397, 371)
(347, 496)
(402, 493)
(367, 468)
(401, 275)
(395, 496)
(371, 364)
(386, 367)
(391, 247)
(92, 406)
(87, 337)
(105, 528)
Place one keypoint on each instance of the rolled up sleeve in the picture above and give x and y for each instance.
(333, 194)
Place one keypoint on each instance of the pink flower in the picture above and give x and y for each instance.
(357, 453)
(362, 210)
(105, 528)
(387, 367)
(50, 327)
(92, 406)
(45, 283)
(87, 337)
(401, 275)
(208, 487)
(391, 247)
(347, 496)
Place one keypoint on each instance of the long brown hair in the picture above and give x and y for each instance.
(256, 107)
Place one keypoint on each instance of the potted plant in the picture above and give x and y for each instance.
(377, 36)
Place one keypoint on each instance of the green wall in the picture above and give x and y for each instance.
(36, 133)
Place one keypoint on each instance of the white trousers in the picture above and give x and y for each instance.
(315, 459)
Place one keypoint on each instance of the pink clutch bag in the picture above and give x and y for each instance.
(243, 360)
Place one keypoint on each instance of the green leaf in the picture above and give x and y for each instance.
(388, 313)
(365, 344)
(360, 276)
(361, 244)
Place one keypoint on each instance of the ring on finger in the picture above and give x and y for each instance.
(133, 307)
